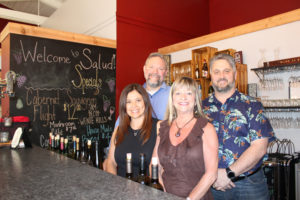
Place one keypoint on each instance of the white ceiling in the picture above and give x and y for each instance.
(89, 17)
(37, 7)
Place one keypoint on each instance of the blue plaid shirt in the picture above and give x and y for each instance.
(238, 122)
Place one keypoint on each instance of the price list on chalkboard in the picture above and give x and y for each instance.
(66, 88)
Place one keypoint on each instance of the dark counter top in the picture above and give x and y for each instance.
(36, 173)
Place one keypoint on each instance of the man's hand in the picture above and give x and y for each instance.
(223, 182)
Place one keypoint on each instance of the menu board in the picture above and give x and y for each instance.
(66, 88)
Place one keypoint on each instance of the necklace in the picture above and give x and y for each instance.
(135, 132)
(179, 129)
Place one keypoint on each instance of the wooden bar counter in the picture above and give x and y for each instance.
(37, 173)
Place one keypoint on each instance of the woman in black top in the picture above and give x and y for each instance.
(136, 132)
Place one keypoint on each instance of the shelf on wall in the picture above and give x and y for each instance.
(282, 109)
(261, 71)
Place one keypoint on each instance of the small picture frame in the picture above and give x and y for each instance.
(252, 90)
(238, 57)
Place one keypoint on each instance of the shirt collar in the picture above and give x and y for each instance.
(235, 95)
(163, 86)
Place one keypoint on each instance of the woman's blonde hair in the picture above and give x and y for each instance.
(189, 83)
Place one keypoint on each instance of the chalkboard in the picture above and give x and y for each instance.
(64, 87)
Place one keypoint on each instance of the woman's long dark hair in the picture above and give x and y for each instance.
(125, 119)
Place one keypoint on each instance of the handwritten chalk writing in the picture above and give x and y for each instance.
(105, 135)
(44, 113)
(33, 97)
(68, 126)
(93, 107)
(83, 101)
(43, 141)
(105, 128)
(100, 120)
(96, 64)
(57, 131)
(71, 111)
(42, 57)
(87, 82)
(75, 54)
(84, 138)
(91, 131)
(86, 120)
(94, 113)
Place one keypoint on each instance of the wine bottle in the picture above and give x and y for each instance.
(49, 141)
(77, 154)
(197, 73)
(62, 146)
(72, 150)
(154, 179)
(83, 156)
(66, 149)
(204, 69)
(57, 142)
(89, 153)
(98, 156)
(52, 142)
(142, 172)
(129, 173)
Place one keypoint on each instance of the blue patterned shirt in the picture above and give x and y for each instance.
(238, 122)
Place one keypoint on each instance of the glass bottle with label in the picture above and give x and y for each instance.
(129, 173)
(50, 141)
(204, 69)
(83, 156)
(72, 150)
(142, 178)
(154, 179)
(57, 143)
(62, 145)
(89, 153)
(98, 156)
(66, 149)
(77, 152)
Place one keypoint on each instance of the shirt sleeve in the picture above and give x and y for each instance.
(259, 125)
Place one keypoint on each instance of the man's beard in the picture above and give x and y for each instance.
(224, 89)
(156, 84)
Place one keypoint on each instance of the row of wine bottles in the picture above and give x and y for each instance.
(91, 154)
(142, 178)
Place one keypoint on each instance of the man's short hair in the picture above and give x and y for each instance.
(156, 54)
(223, 56)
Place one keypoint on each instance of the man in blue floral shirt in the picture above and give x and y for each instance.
(243, 132)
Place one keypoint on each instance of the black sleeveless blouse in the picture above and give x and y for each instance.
(133, 144)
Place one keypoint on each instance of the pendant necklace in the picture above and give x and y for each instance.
(135, 132)
(179, 129)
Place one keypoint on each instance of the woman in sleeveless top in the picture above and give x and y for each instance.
(186, 145)
(136, 132)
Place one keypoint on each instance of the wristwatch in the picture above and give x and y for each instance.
(230, 173)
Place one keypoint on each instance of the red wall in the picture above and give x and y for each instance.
(145, 26)
(227, 14)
